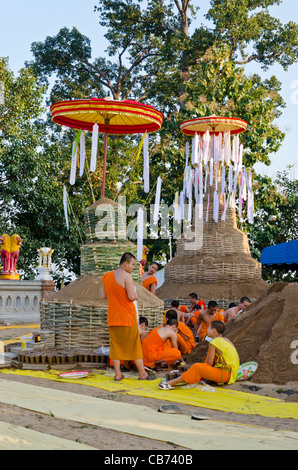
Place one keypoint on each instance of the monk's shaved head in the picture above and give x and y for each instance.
(126, 258)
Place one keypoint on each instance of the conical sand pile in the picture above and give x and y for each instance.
(266, 332)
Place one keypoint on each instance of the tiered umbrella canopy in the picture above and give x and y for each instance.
(216, 154)
(106, 116)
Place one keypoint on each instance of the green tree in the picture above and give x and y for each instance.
(159, 53)
(30, 165)
(276, 218)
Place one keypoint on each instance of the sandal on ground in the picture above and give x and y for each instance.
(149, 377)
(165, 386)
(118, 380)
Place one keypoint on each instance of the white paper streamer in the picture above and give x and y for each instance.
(65, 206)
(73, 168)
(182, 205)
(197, 185)
(195, 150)
(223, 217)
(211, 171)
(140, 234)
(206, 141)
(227, 144)
(146, 172)
(157, 200)
(223, 179)
(230, 178)
(215, 206)
(82, 153)
(176, 208)
(94, 147)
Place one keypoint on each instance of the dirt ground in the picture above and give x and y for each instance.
(105, 439)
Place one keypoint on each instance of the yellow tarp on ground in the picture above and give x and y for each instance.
(14, 437)
(143, 421)
(221, 400)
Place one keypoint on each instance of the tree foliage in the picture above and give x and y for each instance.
(160, 54)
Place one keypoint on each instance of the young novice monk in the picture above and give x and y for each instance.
(204, 319)
(149, 281)
(175, 307)
(157, 348)
(185, 339)
(143, 324)
(221, 364)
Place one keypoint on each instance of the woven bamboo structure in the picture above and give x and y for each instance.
(106, 239)
(219, 267)
(78, 316)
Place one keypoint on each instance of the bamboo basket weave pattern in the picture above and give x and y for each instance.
(101, 257)
(85, 326)
(216, 273)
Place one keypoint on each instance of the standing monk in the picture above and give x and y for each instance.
(125, 343)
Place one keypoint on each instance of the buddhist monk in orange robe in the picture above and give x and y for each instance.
(125, 343)
(160, 345)
(149, 281)
(185, 339)
(221, 364)
(205, 318)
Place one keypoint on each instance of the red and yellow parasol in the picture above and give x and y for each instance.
(111, 116)
(215, 125)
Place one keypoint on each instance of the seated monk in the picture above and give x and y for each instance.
(143, 324)
(221, 364)
(193, 300)
(157, 348)
(185, 339)
(205, 318)
(175, 306)
(234, 311)
(149, 281)
(192, 317)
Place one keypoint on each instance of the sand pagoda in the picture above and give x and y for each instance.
(213, 258)
(222, 269)
(76, 314)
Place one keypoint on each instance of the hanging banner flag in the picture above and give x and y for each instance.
(146, 174)
(223, 179)
(176, 207)
(240, 156)
(65, 206)
(206, 142)
(197, 185)
(227, 144)
(94, 147)
(140, 234)
(182, 205)
(157, 200)
(82, 153)
(230, 178)
(140, 147)
(195, 150)
(73, 167)
(215, 206)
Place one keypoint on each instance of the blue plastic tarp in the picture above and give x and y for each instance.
(278, 255)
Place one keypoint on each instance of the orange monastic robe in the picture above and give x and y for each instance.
(125, 340)
(147, 282)
(204, 325)
(156, 349)
(185, 346)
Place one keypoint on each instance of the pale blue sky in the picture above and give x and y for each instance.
(24, 22)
